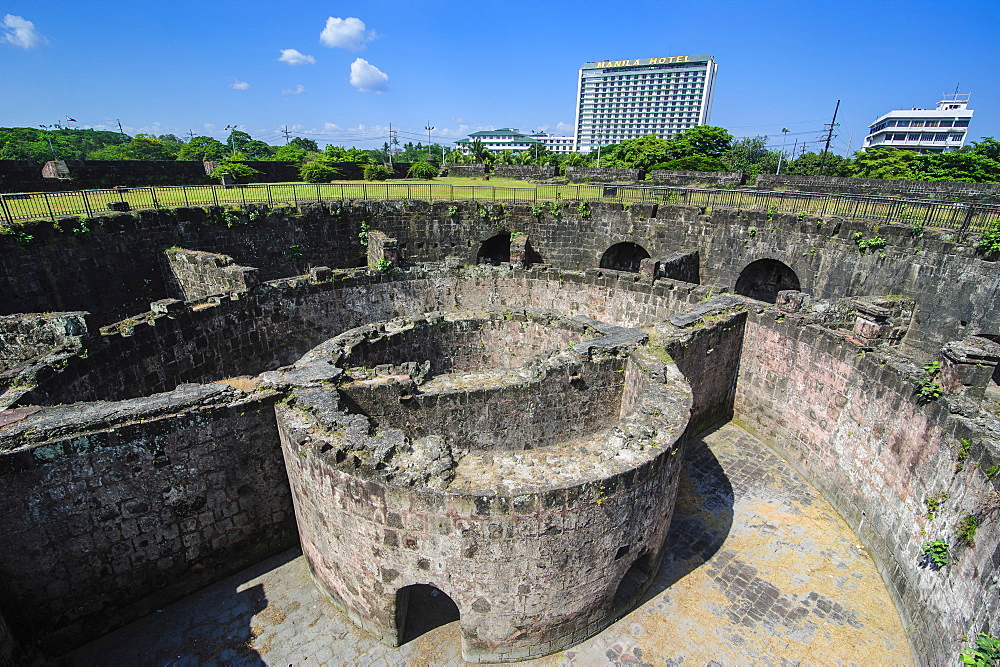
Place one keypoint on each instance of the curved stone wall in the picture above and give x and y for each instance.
(531, 544)
(850, 420)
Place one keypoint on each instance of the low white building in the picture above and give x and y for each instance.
(939, 130)
(509, 139)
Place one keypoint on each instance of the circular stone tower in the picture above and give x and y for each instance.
(521, 463)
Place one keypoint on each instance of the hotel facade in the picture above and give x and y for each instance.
(624, 99)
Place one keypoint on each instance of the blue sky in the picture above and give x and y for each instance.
(340, 72)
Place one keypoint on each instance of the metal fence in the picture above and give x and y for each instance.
(961, 216)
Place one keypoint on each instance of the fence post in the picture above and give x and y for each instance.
(270, 199)
(86, 203)
(969, 213)
(152, 196)
(48, 205)
(6, 211)
(215, 195)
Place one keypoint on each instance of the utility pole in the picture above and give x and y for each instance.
(430, 127)
(120, 130)
(285, 131)
(829, 137)
(784, 136)
(190, 135)
(388, 150)
(794, 146)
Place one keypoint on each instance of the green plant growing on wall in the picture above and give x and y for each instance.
(964, 448)
(452, 211)
(991, 471)
(986, 652)
(751, 231)
(582, 210)
(554, 209)
(966, 529)
(928, 387)
(874, 243)
(800, 215)
(538, 211)
(989, 243)
(294, 253)
(384, 266)
(363, 234)
(771, 212)
(934, 502)
(936, 553)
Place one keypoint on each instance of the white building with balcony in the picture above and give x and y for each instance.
(939, 130)
(508, 139)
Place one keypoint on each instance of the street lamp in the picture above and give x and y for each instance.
(47, 128)
(232, 147)
(784, 136)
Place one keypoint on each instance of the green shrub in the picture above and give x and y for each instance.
(376, 172)
(990, 242)
(317, 172)
(241, 173)
(422, 170)
(966, 529)
(928, 387)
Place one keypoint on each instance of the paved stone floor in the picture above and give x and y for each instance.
(760, 570)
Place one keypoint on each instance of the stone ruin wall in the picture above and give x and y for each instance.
(851, 423)
(961, 597)
(118, 268)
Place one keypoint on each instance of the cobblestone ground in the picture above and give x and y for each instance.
(760, 569)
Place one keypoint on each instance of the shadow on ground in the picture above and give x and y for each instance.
(703, 516)
(223, 636)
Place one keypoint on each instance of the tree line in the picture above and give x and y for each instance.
(703, 148)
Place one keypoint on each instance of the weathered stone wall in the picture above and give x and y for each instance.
(986, 192)
(602, 175)
(852, 424)
(112, 510)
(23, 337)
(86, 174)
(116, 268)
(278, 322)
(197, 274)
(533, 553)
(705, 179)
(525, 172)
(465, 170)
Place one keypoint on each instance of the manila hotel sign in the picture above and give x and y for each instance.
(645, 62)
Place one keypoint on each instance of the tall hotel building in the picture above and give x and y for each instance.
(623, 99)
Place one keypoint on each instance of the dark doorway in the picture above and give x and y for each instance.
(634, 582)
(763, 279)
(495, 250)
(420, 608)
(623, 257)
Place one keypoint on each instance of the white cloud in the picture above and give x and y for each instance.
(563, 129)
(298, 90)
(349, 33)
(236, 84)
(368, 78)
(328, 127)
(295, 57)
(20, 32)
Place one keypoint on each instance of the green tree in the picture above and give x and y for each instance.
(205, 149)
(751, 156)
(958, 166)
(704, 140)
(376, 172)
(480, 153)
(422, 170)
(807, 164)
(290, 153)
(885, 162)
(317, 172)
(307, 145)
(988, 147)
(241, 173)
(639, 153)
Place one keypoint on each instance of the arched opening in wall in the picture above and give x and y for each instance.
(420, 608)
(623, 257)
(495, 250)
(763, 279)
(635, 581)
